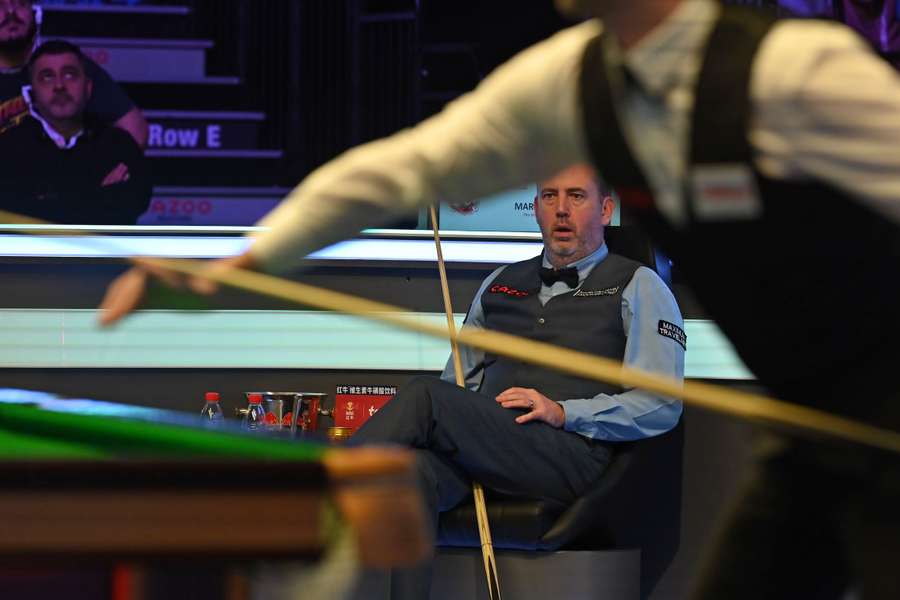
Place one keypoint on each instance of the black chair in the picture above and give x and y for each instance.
(635, 504)
(631, 242)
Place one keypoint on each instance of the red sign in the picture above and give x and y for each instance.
(354, 404)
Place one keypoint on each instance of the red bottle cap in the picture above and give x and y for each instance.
(255, 398)
(212, 396)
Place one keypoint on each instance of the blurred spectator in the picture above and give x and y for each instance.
(19, 25)
(875, 20)
(120, 2)
(59, 166)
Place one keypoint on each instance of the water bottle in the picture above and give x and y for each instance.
(212, 411)
(255, 417)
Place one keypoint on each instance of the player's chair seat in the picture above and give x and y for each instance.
(636, 504)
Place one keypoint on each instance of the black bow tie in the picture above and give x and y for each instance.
(569, 276)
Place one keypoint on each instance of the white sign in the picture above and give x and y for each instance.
(512, 210)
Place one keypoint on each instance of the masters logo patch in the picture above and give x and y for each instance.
(607, 292)
(673, 331)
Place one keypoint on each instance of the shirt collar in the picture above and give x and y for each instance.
(660, 60)
(584, 265)
(59, 139)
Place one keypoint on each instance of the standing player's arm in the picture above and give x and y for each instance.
(522, 123)
(472, 359)
(654, 343)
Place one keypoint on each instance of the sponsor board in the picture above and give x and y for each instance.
(198, 210)
(355, 404)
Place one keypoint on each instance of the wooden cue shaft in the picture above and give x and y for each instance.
(742, 405)
(712, 397)
(484, 526)
(448, 306)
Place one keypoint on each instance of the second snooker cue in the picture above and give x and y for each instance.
(484, 527)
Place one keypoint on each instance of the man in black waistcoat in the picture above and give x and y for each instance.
(736, 139)
(762, 156)
(528, 431)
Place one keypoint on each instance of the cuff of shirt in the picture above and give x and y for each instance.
(581, 413)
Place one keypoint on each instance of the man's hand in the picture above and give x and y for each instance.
(540, 407)
(125, 294)
(117, 175)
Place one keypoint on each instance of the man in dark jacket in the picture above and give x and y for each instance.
(19, 30)
(57, 165)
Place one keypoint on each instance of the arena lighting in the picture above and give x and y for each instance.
(266, 339)
(408, 249)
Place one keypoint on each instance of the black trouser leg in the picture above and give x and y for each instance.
(461, 436)
(875, 535)
(481, 439)
(443, 486)
(786, 538)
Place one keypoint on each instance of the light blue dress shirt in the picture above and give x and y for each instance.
(632, 414)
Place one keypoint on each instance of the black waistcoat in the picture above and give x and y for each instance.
(589, 320)
(807, 289)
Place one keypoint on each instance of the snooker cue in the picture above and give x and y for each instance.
(484, 526)
(741, 405)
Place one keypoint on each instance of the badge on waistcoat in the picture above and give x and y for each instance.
(725, 192)
(499, 288)
(605, 292)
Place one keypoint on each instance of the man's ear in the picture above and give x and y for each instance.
(89, 86)
(609, 207)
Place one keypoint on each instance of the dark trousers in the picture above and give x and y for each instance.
(461, 436)
(810, 523)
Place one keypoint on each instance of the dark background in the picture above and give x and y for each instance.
(329, 74)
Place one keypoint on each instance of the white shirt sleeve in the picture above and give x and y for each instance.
(521, 124)
(827, 108)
